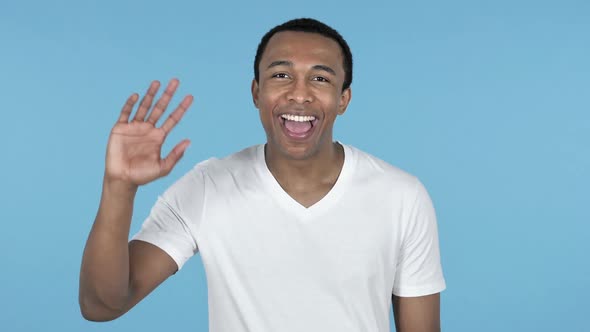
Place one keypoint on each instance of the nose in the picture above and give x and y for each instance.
(299, 92)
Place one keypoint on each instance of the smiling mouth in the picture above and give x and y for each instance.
(298, 126)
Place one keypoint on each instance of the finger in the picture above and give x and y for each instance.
(178, 113)
(128, 107)
(162, 104)
(168, 163)
(146, 101)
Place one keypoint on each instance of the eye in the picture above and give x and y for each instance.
(280, 75)
(321, 79)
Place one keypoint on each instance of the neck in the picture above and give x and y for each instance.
(321, 169)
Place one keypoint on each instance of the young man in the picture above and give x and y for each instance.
(300, 234)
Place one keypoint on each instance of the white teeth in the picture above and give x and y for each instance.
(298, 118)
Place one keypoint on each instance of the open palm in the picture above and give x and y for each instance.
(135, 147)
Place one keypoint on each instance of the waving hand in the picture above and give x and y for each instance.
(135, 144)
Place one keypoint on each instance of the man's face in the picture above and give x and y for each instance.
(299, 93)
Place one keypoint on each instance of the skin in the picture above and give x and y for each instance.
(417, 314)
(300, 73)
(115, 275)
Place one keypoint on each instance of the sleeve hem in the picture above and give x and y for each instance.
(172, 252)
(429, 289)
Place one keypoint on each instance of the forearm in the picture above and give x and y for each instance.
(104, 275)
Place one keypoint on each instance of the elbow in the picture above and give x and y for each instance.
(91, 316)
(96, 312)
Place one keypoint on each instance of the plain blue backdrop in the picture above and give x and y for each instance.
(486, 101)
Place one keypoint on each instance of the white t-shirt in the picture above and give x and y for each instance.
(274, 265)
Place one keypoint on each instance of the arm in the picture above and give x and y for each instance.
(419, 278)
(417, 314)
(115, 275)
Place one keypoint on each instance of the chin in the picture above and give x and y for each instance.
(293, 148)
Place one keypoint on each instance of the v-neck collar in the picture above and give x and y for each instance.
(292, 205)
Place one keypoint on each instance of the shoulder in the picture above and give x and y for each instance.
(371, 169)
(238, 162)
(215, 172)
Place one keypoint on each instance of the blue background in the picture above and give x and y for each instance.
(486, 101)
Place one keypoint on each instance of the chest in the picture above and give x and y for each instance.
(308, 198)
(350, 242)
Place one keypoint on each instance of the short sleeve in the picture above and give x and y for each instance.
(173, 220)
(418, 270)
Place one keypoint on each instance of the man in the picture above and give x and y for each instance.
(300, 234)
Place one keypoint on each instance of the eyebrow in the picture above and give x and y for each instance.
(290, 64)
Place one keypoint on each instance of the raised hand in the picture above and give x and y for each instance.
(135, 147)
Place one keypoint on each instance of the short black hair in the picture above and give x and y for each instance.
(313, 26)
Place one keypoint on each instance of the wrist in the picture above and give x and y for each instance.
(119, 187)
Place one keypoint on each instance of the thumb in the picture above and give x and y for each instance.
(168, 163)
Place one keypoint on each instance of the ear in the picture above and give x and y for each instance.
(344, 100)
(254, 89)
